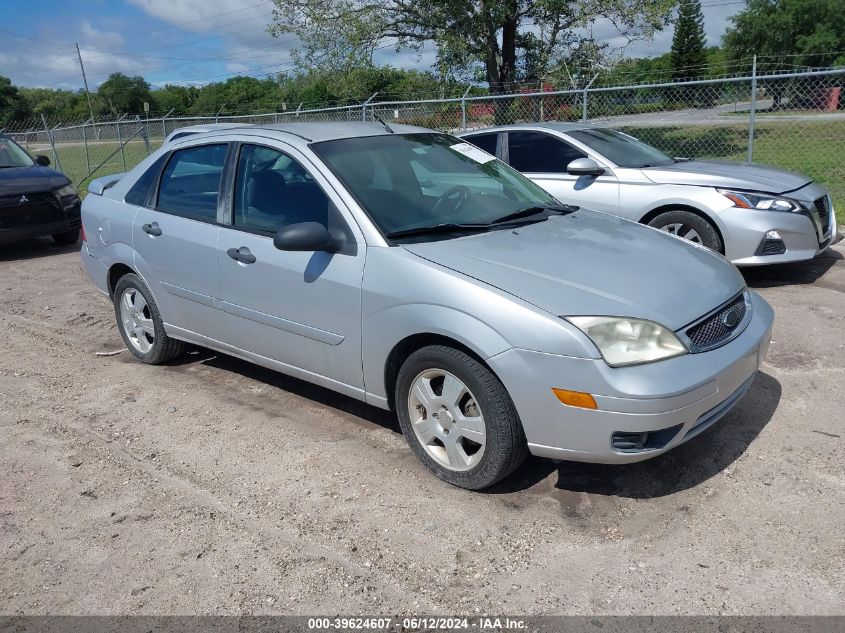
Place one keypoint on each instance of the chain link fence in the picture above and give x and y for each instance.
(793, 120)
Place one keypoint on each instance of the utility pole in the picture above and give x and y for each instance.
(85, 81)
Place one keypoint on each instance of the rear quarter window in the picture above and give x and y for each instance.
(140, 193)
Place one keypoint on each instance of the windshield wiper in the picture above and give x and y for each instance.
(529, 211)
(446, 227)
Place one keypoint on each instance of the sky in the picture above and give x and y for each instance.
(196, 41)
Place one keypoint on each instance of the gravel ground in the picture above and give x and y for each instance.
(210, 486)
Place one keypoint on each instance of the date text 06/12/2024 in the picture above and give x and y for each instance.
(481, 623)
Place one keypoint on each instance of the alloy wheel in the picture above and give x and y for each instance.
(447, 419)
(137, 320)
(683, 231)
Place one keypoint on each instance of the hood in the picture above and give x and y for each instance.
(728, 174)
(32, 179)
(589, 263)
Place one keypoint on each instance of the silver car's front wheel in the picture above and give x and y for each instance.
(683, 231)
(689, 226)
(457, 417)
(447, 420)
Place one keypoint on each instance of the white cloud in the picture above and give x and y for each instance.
(100, 39)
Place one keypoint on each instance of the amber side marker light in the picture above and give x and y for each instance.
(575, 398)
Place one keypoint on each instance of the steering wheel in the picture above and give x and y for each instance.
(454, 196)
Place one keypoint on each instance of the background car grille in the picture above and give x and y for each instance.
(712, 331)
(823, 207)
(36, 208)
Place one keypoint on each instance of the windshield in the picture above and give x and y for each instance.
(12, 155)
(624, 150)
(410, 181)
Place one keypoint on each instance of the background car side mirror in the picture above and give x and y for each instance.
(306, 236)
(42, 160)
(584, 167)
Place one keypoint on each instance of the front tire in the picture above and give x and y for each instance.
(140, 323)
(458, 418)
(689, 226)
(67, 238)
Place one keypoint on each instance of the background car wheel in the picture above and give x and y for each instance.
(140, 324)
(67, 238)
(458, 418)
(689, 226)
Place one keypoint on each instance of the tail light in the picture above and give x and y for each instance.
(82, 229)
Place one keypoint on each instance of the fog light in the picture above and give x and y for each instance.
(772, 235)
(575, 398)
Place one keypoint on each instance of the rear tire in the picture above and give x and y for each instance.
(458, 418)
(689, 226)
(67, 238)
(140, 323)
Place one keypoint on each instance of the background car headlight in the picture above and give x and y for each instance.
(747, 200)
(67, 190)
(629, 341)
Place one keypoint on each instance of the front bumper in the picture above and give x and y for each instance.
(686, 395)
(744, 230)
(70, 219)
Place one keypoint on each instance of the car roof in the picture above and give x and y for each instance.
(318, 131)
(558, 126)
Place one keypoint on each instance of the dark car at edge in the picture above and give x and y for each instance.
(34, 199)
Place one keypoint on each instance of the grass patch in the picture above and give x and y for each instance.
(814, 148)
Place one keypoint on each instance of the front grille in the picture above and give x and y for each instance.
(26, 209)
(718, 327)
(823, 208)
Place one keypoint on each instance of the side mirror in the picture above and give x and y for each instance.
(306, 236)
(42, 160)
(584, 167)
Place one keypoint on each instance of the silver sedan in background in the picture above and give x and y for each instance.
(752, 214)
(415, 272)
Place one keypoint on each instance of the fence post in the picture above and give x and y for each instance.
(753, 114)
(364, 106)
(464, 109)
(164, 125)
(85, 141)
(120, 141)
(584, 116)
(144, 134)
(52, 143)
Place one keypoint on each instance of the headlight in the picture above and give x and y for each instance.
(747, 200)
(67, 190)
(629, 341)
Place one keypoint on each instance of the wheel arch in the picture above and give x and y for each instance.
(653, 213)
(116, 271)
(410, 344)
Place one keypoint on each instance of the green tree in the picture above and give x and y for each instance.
(13, 107)
(122, 94)
(797, 32)
(688, 56)
(180, 99)
(507, 40)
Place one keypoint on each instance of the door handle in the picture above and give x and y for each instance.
(242, 255)
(152, 229)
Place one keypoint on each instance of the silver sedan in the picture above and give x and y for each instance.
(413, 271)
(753, 214)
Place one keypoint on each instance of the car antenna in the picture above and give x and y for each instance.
(383, 124)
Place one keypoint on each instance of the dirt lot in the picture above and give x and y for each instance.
(211, 486)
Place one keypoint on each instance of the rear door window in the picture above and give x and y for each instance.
(536, 152)
(487, 142)
(190, 184)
